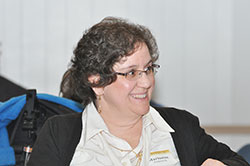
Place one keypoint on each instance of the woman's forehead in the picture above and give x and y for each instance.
(140, 57)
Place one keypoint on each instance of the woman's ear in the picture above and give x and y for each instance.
(94, 79)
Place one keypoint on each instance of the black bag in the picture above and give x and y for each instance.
(23, 130)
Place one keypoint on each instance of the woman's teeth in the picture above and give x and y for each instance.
(140, 96)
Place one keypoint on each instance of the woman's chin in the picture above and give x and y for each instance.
(142, 110)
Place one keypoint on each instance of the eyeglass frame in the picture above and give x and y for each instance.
(138, 74)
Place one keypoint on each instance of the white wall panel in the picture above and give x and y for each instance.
(11, 58)
(196, 60)
(241, 59)
(170, 35)
(79, 17)
(199, 58)
(109, 8)
(33, 44)
(1, 31)
(55, 43)
(223, 59)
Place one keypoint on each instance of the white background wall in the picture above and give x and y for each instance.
(204, 49)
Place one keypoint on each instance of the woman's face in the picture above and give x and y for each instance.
(130, 97)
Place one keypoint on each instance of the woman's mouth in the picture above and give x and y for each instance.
(139, 96)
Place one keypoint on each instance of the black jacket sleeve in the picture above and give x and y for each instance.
(57, 141)
(45, 150)
(193, 144)
(208, 147)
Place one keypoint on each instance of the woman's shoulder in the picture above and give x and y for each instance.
(174, 112)
(65, 124)
(57, 140)
(177, 117)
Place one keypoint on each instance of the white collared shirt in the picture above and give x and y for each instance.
(99, 147)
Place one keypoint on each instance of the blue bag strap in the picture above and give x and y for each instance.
(75, 106)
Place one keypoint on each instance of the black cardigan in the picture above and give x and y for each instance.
(60, 135)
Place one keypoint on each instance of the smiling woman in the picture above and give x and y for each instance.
(112, 75)
(134, 95)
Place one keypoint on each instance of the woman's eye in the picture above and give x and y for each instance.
(131, 73)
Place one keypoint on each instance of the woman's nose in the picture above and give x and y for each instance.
(145, 80)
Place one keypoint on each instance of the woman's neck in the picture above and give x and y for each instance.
(128, 129)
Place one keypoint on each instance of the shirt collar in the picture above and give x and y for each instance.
(95, 124)
(153, 117)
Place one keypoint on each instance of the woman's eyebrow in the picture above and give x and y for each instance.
(135, 66)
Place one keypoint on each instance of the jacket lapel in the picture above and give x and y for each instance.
(184, 145)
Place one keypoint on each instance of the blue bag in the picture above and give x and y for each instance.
(21, 119)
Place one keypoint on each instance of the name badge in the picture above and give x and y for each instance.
(161, 158)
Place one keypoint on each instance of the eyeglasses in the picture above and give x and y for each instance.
(135, 74)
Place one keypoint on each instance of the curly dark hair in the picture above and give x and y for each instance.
(98, 50)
